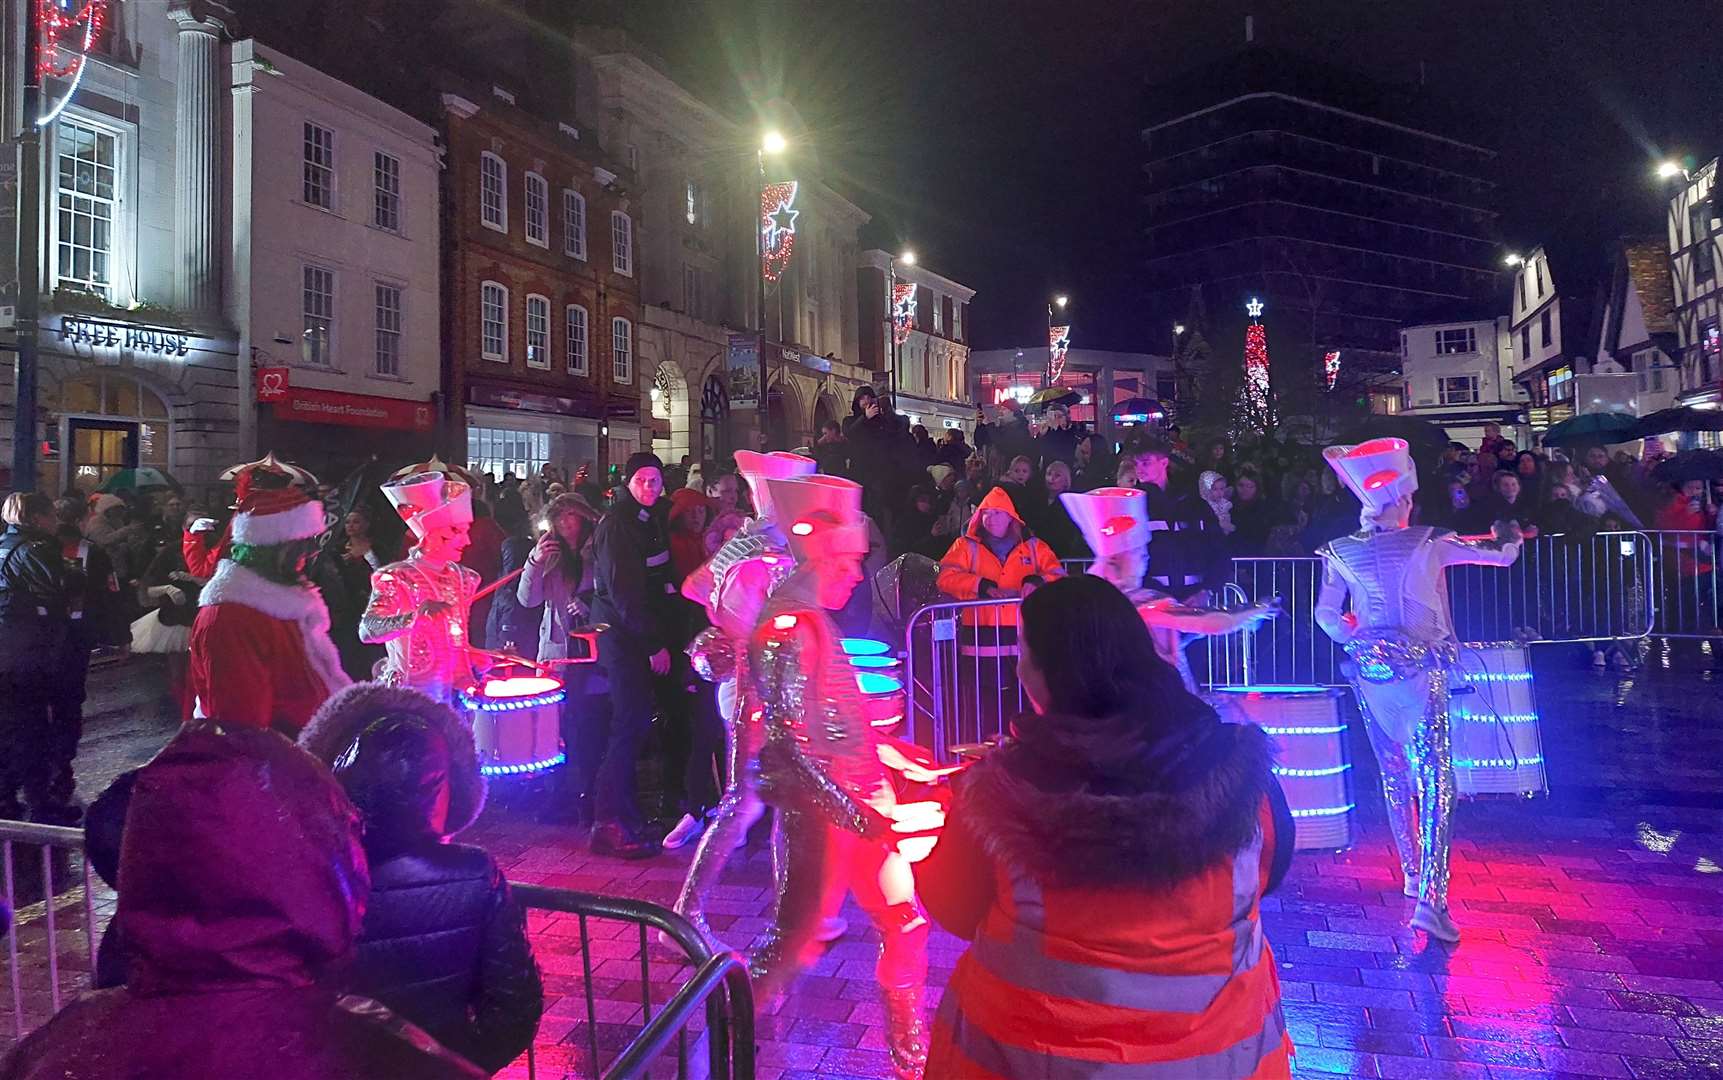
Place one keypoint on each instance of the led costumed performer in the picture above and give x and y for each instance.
(419, 605)
(1400, 637)
(732, 586)
(820, 768)
(1115, 522)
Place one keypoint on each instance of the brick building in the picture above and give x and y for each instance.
(541, 292)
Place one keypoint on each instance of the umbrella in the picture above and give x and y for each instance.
(142, 478)
(1129, 410)
(1593, 427)
(1420, 434)
(1690, 465)
(1680, 418)
(1048, 396)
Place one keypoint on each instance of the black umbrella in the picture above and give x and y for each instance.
(1690, 465)
(1138, 410)
(1680, 418)
(1420, 434)
(1592, 427)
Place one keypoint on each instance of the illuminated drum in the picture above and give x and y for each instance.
(1493, 718)
(882, 698)
(514, 721)
(1305, 723)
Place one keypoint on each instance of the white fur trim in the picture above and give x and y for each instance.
(300, 523)
(301, 604)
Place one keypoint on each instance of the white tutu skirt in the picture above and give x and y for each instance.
(150, 636)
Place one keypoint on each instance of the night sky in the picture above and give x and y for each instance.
(998, 138)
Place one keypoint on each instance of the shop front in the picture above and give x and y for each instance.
(516, 432)
(332, 433)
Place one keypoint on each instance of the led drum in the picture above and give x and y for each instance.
(1305, 724)
(882, 699)
(1493, 720)
(514, 721)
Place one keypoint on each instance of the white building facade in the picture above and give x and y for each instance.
(333, 279)
(1636, 334)
(1694, 234)
(1546, 362)
(137, 363)
(1460, 375)
(930, 366)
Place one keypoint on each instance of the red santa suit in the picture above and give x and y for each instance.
(260, 650)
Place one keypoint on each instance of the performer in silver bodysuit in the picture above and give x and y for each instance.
(1400, 638)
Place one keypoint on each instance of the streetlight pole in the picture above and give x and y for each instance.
(1057, 302)
(28, 313)
(771, 143)
(908, 259)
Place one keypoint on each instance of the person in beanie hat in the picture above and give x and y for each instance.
(260, 650)
(633, 594)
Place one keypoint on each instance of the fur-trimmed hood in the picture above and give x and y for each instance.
(341, 719)
(1089, 804)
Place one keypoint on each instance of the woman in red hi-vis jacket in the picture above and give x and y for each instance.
(1107, 864)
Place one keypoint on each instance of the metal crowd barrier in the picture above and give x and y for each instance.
(51, 960)
(960, 661)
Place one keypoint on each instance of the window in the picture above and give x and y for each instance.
(1526, 344)
(691, 202)
(691, 290)
(319, 166)
(318, 302)
(388, 329)
(1464, 340)
(1457, 390)
(1520, 291)
(577, 337)
(1544, 329)
(494, 322)
(86, 202)
(1166, 388)
(498, 452)
(537, 332)
(621, 243)
(493, 189)
(634, 159)
(938, 314)
(1704, 256)
(574, 224)
(1543, 278)
(537, 210)
(1710, 352)
(1561, 384)
(386, 192)
(622, 350)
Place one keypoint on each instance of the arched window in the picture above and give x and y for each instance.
(714, 419)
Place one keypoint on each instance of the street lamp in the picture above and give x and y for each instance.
(1513, 259)
(907, 259)
(1059, 302)
(772, 142)
(1669, 170)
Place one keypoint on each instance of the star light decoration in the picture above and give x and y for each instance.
(1058, 347)
(902, 311)
(66, 31)
(1256, 359)
(778, 215)
(1331, 366)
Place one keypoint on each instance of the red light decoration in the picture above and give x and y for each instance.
(67, 29)
(1058, 347)
(1256, 360)
(778, 215)
(1331, 366)
(902, 311)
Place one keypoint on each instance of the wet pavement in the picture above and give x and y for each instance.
(1593, 916)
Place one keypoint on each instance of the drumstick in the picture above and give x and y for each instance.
(497, 584)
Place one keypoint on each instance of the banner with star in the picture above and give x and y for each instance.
(902, 311)
(777, 228)
(1058, 345)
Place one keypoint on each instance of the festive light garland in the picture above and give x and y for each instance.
(778, 215)
(56, 20)
(1331, 366)
(1058, 347)
(1256, 360)
(902, 311)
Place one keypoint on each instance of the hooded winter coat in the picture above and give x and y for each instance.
(1111, 890)
(444, 943)
(973, 568)
(242, 886)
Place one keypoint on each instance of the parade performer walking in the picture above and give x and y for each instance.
(1115, 522)
(733, 586)
(420, 605)
(1400, 638)
(819, 767)
(260, 649)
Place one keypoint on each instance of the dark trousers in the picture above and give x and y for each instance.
(66, 719)
(694, 736)
(585, 723)
(615, 794)
(27, 743)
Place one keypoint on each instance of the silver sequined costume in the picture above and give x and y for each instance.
(1400, 637)
(819, 767)
(426, 652)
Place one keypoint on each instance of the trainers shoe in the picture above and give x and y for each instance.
(685, 832)
(1597, 660)
(620, 842)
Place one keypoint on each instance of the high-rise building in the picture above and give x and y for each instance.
(1337, 200)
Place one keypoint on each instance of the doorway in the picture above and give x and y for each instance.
(99, 449)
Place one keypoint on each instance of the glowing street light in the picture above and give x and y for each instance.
(1061, 300)
(907, 258)
(1513, 259)
(1668, 170)
(774, 142)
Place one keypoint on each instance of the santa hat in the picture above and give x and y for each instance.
(1113, 519)
(1379, 472)
(820, 515)
(430, 501)
(270, 516)
(757, 468)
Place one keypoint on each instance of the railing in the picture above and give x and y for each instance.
(50, 963)
(1683, 584)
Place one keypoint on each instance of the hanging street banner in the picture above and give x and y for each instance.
(742, 371)
(1058, 346)
(902, 311)
(777, 229)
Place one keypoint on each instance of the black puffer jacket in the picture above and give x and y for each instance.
(35, 598)
(443, 943)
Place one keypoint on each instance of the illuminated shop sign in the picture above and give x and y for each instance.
(130, 337)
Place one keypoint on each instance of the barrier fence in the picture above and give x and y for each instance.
(637, 1017)
(960, 662)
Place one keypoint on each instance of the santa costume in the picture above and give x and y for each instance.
(260, 649)
(1115, 522)
(427, 649)
(204, 547)
(820, 768)
(1400, 638)
(733, 586)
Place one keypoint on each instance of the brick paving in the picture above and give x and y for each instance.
(1593, 919)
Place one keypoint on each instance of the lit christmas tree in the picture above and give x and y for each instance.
(1256, 363)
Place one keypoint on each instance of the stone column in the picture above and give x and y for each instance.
(197, 149)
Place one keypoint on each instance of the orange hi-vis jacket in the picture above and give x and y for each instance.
(970, 570)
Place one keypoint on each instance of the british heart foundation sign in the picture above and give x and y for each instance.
(331, 407)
